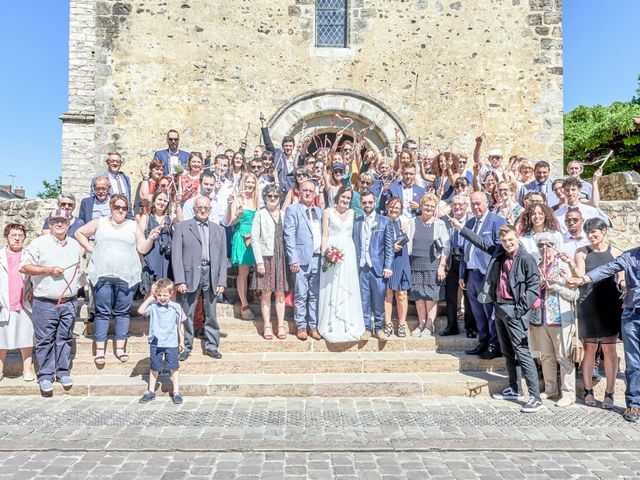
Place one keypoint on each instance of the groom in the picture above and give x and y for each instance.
(373, 239)
(302, 239)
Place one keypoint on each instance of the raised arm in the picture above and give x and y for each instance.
(84, 232)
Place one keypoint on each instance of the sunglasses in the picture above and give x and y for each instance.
(302, 174)
(120, 208)
(173, 139)
(545, 245)
(205, 208)
(362, 182)
(66, 204)
(571, 220)
(273, 197)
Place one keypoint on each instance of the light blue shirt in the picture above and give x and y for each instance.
(164, 321)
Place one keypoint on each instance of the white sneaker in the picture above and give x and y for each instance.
(566, 401)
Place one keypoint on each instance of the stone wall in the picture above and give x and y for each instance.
(620, 186)
(446, 70)
(30, 213)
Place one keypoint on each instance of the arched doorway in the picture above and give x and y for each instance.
(323, 113)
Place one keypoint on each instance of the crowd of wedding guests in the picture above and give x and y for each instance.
(520, 258)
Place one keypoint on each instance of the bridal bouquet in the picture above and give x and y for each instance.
(331, 257)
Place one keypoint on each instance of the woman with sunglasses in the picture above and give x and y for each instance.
(599, 310)
(114, 271)
(553, 323)
(335, 179)
(241, 209)
(267, 242)
(293, 195)
(67, 202)
(365, 183)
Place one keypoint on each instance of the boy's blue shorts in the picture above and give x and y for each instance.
(169, 354)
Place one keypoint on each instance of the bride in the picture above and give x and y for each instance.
(339, 307)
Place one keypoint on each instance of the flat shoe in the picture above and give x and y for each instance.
(123, 357)
(27, 377)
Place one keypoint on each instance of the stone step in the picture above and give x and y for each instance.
(291, 385)
(235, 325)
(288, 363)
(255, 343)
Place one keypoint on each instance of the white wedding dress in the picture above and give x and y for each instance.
(339, 308)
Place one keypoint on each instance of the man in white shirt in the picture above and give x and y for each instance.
(575, 236)
(572, 188)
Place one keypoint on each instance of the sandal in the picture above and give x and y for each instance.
(402, 330)
(268, 332)
(388, 329)
(123, 357)
(592, 402)
(99, 359)
(281, 335)
(607, 403)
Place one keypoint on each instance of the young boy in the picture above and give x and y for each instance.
(166, 336)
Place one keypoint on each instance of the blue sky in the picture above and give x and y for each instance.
(601, 62)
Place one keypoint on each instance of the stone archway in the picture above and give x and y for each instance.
(316, 109)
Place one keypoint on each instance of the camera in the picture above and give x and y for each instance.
(165, 249)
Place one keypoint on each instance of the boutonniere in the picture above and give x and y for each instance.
(375, 225)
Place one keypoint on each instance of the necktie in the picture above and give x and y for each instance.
(205, 244)
(311, 214)
(469, 246)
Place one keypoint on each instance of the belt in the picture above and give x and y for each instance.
(504, 301)
(472, 270)
(316, 254)
(634, 310)
(63, 300)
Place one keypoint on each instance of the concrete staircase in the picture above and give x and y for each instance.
(252, 366)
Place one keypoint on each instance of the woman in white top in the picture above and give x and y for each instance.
(535, 219)
(114, 271)
(267, 241)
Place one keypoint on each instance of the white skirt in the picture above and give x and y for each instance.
(17, 331)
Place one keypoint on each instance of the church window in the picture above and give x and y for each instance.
(331, 23)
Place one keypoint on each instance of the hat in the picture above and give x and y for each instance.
(545, 237)
(60, 214)
(337, 166)
(495, 152)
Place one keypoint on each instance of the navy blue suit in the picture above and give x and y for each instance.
(474, 277)
(372, 285)
(164, 156)
(395, 190)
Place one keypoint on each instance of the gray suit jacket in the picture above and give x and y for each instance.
(186, 254)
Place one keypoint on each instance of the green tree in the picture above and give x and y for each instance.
(636, 98)
(590, 131)
(51, 189)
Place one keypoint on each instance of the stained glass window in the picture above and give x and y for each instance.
(331, 23)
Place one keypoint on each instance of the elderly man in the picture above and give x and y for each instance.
(199, 260)
(473, 268)
(97, 204)
(53, 262)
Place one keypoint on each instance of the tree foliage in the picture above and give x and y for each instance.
(51, 189)
(591, 131)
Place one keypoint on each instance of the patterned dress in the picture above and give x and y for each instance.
(275, 267)
(424, 265)
(401, 277)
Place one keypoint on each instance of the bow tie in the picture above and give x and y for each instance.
(573, 209)
(406, 187)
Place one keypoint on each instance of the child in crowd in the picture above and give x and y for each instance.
(166, 336)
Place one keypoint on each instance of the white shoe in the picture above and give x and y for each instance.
(566, 401)
(549, 396)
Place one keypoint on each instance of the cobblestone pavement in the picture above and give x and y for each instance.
(274, 438)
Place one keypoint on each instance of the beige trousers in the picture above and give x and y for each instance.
(554, 345)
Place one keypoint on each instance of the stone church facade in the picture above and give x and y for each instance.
(438, 71)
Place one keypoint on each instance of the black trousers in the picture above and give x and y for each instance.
(514, 343)
(451, 298)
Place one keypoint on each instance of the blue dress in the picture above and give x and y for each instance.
(401, 277)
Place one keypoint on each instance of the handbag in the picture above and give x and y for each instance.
(577, 348)
(402, 240)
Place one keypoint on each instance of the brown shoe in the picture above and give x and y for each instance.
(302, 335)
(315, 335)
(366, 335)
(381, 335)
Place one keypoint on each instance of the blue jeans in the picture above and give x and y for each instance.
(631, 342)
(113, 298)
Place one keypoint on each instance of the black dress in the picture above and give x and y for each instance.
(599, 305)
